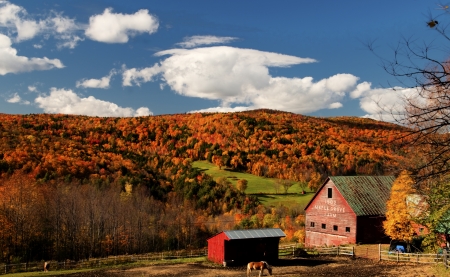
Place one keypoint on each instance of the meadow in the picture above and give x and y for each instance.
(263, 188)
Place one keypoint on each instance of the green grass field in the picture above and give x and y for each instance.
(263, 188)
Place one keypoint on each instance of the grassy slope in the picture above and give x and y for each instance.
(259, 186)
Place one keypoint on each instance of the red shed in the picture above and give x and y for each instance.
(242, 246)
(347, 210)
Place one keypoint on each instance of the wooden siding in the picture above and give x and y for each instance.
(365, 227)
(216, 248)
(333, 211)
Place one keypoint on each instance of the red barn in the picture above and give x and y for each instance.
(347, 210)
(242, 246)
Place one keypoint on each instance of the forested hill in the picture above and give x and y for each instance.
(101, 186)
(262, 142)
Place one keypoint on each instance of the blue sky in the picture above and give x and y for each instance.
(134, 58)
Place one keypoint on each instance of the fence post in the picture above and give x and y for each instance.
(398, 256)
(353, 252)
(444, 254)
(379, 252)
(338, 250)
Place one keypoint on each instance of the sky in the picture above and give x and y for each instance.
(139, 58)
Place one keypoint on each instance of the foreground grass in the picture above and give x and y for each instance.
(123, 266)
(262, 187)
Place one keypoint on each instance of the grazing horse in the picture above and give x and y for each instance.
(258, 266)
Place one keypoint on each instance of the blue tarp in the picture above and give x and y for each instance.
(400, 248)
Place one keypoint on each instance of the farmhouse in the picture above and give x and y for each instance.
(348, 210)
(242, 246)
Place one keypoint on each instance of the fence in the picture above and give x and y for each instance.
(415, 257)
(284, 250)
(335, 250)
(99, 262)
(385, 255)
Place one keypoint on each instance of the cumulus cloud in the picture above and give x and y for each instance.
(16, 99)
(241, 76)
(68, 102)
(96, 83)
(222, 110)
(11, 63)
(195, 41)
(17, 22)
(335, 105)
(117, 27)
(385, 104)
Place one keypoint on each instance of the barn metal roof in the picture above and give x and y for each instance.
(255, 233)
(366, 195)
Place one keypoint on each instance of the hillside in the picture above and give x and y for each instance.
(75, 187)
(263, 142)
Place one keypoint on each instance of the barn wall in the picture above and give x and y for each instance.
(333, 211)
(216, 248)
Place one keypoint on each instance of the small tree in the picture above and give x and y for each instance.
(286, 185)
(241, 185)
(277, 186)
(398, 218)
(315, 181)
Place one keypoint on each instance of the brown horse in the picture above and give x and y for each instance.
(258, 266)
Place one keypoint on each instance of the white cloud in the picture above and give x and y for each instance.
(69, 41)
(96, 83)
(137, 77)
(222, 110)
(385, 104)
(195, 41)
(16, 99)
(335, 105)
(11, 63)
(233, 75)
(37, 46)
(32, 88)
(360, 89)
(117, 27)
(68, 102)
(17, 21)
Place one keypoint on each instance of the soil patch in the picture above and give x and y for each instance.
(310, 267)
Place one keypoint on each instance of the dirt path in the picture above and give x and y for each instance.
(312, 267)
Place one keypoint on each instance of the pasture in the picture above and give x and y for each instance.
(263, 188)
(311, 267)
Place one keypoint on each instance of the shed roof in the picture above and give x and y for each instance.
(255, 233)
(366, 195)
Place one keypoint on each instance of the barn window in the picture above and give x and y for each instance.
(324, 226)
(312, 224)
(330, 193)
(335, 227)
(347, 229)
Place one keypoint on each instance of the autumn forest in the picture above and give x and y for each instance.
(75, 187)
